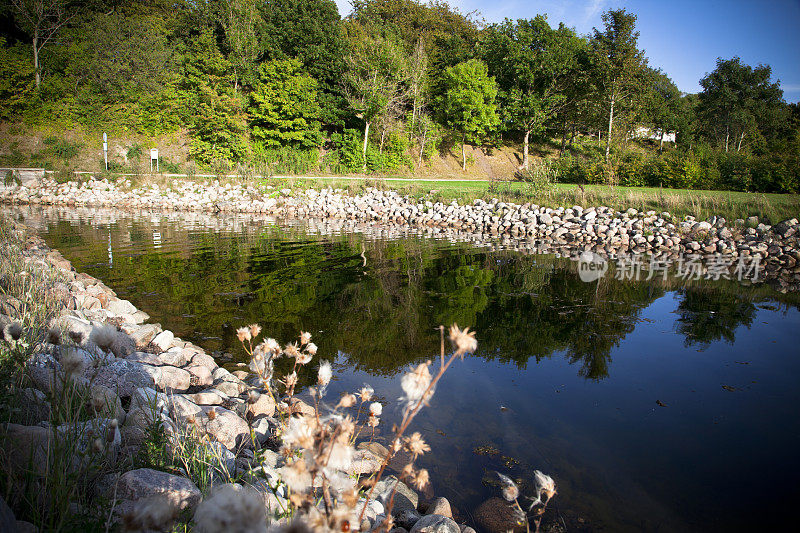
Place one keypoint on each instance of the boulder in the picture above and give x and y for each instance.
(405, 499)
(144, 335)
(25, 446)
(145, 482)
(163, 340)
(440, 506)
(123, 376)
(120, 307)
(174, 379)
(226, 427)
(434, 523)
(498, 516)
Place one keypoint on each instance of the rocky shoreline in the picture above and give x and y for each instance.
(656, 237)
(137, 374)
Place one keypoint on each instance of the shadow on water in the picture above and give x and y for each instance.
(652, 403)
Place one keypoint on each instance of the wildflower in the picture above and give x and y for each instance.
(463, 340)
(510, 489)
(155, 513)
(375, 409)
(72, 361)
(296, 476)
(291, 351)
(339, 455)
(243, 334)
(271, 346)
(53, 336)
(544, 484)
(305, 337)
(303, 358)
(255, 330)
(291, 380)
(311, 348)
(97, 445)
(231, 509)
(104, 336)
(299, 433)
(76, 336)
(347, 401)
(324, 374)
(416, 445)
(415, 384)
(421, 479)
(366, 393)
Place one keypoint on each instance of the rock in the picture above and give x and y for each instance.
(264, 406)
(145, 482)
(405, 499)
(25, 446)
(440, 506)
(163, 340)
(7, 521)
(364, 462)
(434, 523)
(200, 374)
(44, 371)
(123, 377)
(35, 404)
(174, 357)
(207, 397)
(145, 358)
(498, 516)
(226, 427)
(144, 335)
(105, 402)
(120, 307)
(174, 379)
(298, 406)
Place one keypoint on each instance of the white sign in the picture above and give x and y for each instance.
(153, 153)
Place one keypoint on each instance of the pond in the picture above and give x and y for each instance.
(655, 405)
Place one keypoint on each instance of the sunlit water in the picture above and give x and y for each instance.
(655, 405)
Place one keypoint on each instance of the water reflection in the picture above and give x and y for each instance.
(577, 367)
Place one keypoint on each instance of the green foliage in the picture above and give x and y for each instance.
(468, 103)
(16, 79)
(284, 110)
(61, 148)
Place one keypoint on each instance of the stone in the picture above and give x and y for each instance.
(264, 406)
(25, 446)
(163, 340)
(120, 307)
(496, 515)
(200, 374)
(207, 397)
(364, 462)
(7, 521)
(123, 377)
(404, 499)
(145, 482)
(144, 335)
(226, 427)
(440, 506)
(434, 523)
(144, 357)
(106, 402)
(174, 379)
(174, 357)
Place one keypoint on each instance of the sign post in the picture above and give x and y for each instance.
(154, 157)
(105, 149)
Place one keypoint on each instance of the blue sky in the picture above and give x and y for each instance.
(682, 37)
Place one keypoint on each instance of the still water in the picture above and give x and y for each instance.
(658, 406)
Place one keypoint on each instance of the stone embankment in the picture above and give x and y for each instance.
(570, 231)
(139, 376)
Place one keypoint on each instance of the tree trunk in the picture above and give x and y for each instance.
(525, 151)
(661, 144)
(610, 125)
(463, 153)
(383, 139)
(364, 149)
(738, 148)
(563, 140)
(422, 147)
(727, 136)
(36, 69)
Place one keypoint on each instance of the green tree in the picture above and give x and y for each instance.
(375, 80)
(284, 110)
(663, 107)
(739, 101)
(239, 19)
(468, 103)
(533, 64)
(16, 79)
(41, 20)
(311, 31)
(619, 63)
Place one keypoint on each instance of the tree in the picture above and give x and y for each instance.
(16, 75)
(662, 106)
(41, 20)
(240, 18)
(468, 103)
(311, 31)
(740, 101)
(284, 110)
(618, 63)
(375, 80)
(533, 65)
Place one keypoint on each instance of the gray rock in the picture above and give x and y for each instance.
(440, 506)
(123, 377)
(144, 335)
(404, 499)
(7, 521)
(120, 307)
(434, 523)
(145, 482)
(174, 379)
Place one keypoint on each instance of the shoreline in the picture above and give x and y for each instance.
(610, 235)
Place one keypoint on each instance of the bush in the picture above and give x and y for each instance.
(61, 148)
